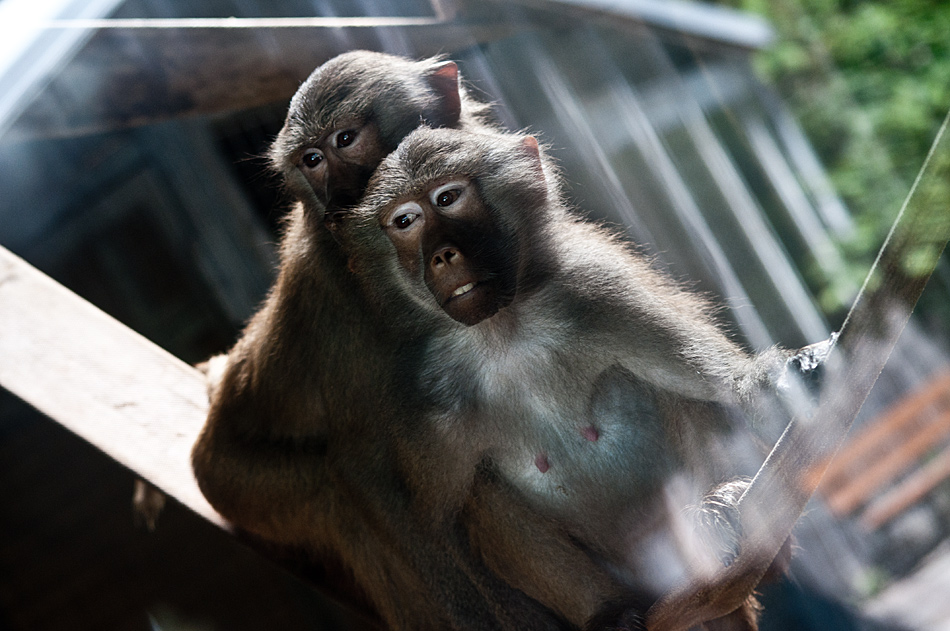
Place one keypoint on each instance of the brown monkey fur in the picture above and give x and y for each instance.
(319, 437)
(545, 366)
(297, 449)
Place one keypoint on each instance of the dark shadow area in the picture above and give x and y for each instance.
(72, 557)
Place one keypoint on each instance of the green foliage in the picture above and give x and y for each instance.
(870, 83)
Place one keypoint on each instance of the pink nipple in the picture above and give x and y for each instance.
(590, 433)
(541, 462)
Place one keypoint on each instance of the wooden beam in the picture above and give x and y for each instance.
(910, 491)
(904, 452)
(101, 380)
(134, 72)
(876, 437)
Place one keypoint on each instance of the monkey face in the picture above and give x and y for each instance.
(447, 237)
(353, 111)
(338, 166)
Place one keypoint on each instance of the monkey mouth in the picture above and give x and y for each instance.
(464, 289)
(473, 301)
(472, 290)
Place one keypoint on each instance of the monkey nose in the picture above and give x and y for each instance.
(446, 257)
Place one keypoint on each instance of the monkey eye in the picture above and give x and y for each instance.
(345, 138)
(447, 198)
(404, 220)
(403, 216)
(312, 158)
(447, 195)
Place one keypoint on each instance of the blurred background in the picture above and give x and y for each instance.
(760, 151)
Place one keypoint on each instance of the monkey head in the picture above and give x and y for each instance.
(350, 113)
(453, 220)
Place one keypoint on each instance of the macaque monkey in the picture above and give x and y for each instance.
(298, 447)
(544, 368)
(353, 111)
(482, 446)
(286, 369)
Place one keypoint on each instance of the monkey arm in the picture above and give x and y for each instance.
(264, 474)
(685, 352)
(668, 335)
(261, 459)
(271, 487)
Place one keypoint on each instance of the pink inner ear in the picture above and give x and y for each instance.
(531, 144)
(445, 82)
(449, 72)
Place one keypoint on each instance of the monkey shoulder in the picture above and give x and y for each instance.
(598, 266)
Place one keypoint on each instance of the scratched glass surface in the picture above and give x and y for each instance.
(131, 136)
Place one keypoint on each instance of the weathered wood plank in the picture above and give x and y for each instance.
(904, 452)
(877, 436)
(139, 72)
(101, 380)
(910, 491)
(889, 445)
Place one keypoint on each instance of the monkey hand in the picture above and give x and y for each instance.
(716, 522)
(719, 529)
(213, 371)
(808, 361)
(718, 532)
(147, 504)
(804, 371)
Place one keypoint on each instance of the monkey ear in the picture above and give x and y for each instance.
(445, 81)
(530, 146)
(530, 143)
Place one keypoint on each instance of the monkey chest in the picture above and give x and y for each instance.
(571, 443)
